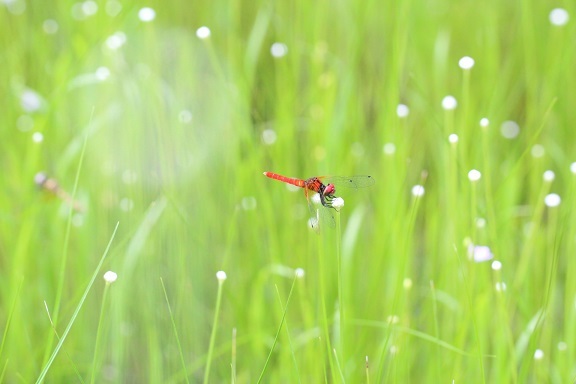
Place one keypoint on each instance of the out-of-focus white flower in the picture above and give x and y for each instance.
(110, 277)
(474, 175)
(449, 103)
(146, 14)
(221, 276)
(279, 50)
(480, 253)
(559, 17)
(466, 62)
(203, 32)
(402, 111)
(552, 200)
(418, 190)
(509, 129)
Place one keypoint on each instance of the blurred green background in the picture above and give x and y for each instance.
(161, 117)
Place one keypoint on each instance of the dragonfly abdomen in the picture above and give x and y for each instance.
(289, 180)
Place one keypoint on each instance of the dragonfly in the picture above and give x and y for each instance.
(51, 185)
(324, 186)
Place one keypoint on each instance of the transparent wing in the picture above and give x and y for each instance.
(361, 181)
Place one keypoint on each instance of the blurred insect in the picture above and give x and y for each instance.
(50, 185)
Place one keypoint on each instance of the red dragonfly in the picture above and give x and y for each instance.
(324, 186)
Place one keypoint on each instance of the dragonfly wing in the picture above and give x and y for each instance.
(361, 181)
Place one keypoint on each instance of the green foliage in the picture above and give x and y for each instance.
(147, 125)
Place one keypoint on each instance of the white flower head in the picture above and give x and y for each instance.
(221, 276)
(402, 111)
(337, 203)
(390, 148)
(37, 137)
(203, 32)
(466, 62)
(453, 138)
(552, 200)
(110, 277)
(500, 286)
(449, 103)
(559, 17)
(480, 253)
(418, 190)
(538, 354)
(299, 272)
(146, 14)
(484, 122)
(407, 283)
(474, 175)
(496, 265)
(510, 129)
(548, 176)
(279, 50)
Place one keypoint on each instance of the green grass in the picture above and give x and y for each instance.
(168, 136)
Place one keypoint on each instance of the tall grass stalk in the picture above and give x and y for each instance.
(322, 271)
(175, 329)
(97, 343)
(341, 305)
(278, 331)
(48, 364)
(64, 259)
(221, 276)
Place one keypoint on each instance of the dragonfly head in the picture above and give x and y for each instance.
(329, 190)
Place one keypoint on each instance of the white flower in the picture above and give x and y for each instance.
(146, 14)
(538, 354)
(484, 122)
(480, 253)
(390, 149)
(453, 138)
(203, 32)
(559, 17)
(466, 62)
(449, 103)
(337, 203)
(221, 276)
(509, 129)
(402, 110)
(474, 175)
(299, 273)
(279, 50)
(418, 190)
(110, 277)
(548, 176)
(496, 265)
(552, 200)
(500, 286)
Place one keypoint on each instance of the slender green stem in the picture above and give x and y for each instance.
(76, 311)
(340, 289)
(175, 329)
(214, 328)
(322, 280)
(64, 260)
(95, 358)
(277, 332)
